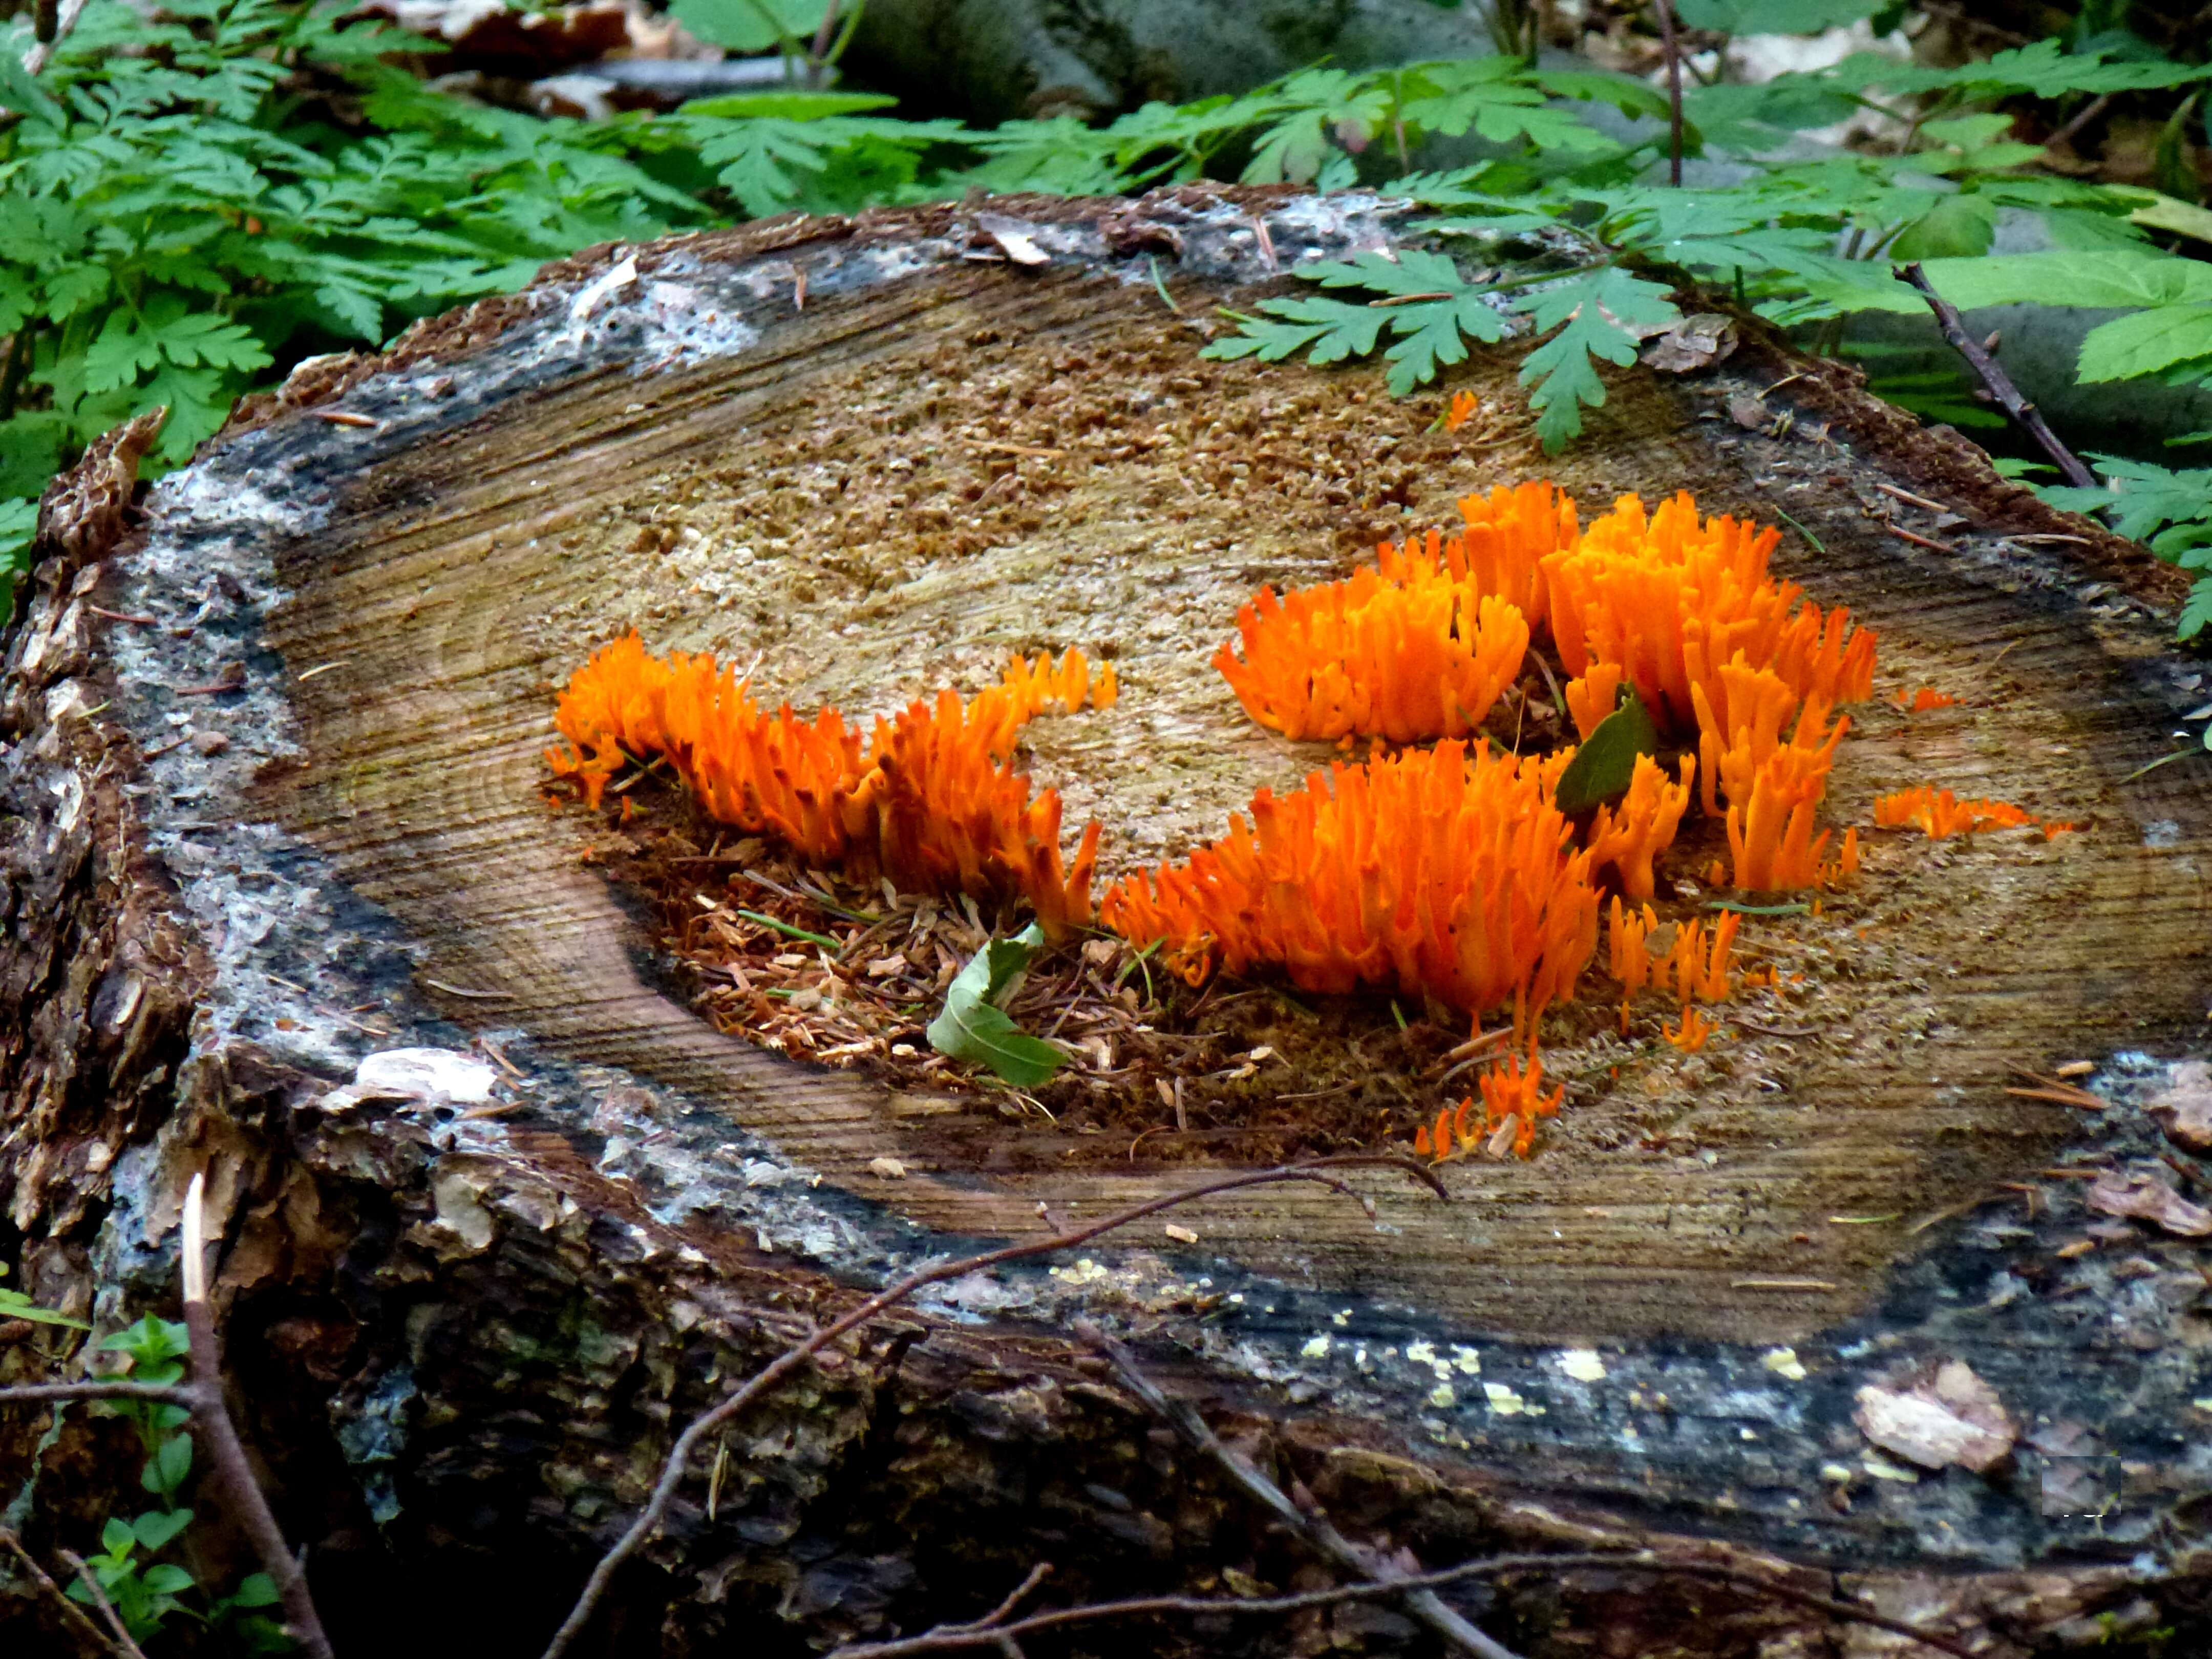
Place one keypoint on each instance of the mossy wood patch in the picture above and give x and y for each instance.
(941, 459)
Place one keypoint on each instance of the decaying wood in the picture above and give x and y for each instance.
(475, 1307)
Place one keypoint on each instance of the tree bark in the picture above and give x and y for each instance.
(295, 820)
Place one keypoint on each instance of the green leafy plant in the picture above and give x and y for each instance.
(147, 1593)
(2169, 511)
(17, 1304)
(192, 199)
(1803, 242)
(976, 1029)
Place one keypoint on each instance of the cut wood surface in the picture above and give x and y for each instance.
(880, 458)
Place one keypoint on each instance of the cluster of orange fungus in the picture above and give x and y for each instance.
(1506, 538)
(1437, 871)
(1513, 1098)
(1940, 813)
(934, 801)
(1694, 965)
(1635, 830)
(1690, 1033)
(1920, 701)
(1425, 656)
(1592, 697)
(1770, 834)
(627, 706)
(1671, 598)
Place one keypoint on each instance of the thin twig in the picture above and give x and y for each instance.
(2023, 414)
(32, 1393)
(226, 1453)
(679, 1456)
(85, 1576)
(2088, 112)
(1673, 48)
(72, 1615)
(1015, 1597)
(41, 52)
(1907, 496)
(951, 1638)
(1314, 1531)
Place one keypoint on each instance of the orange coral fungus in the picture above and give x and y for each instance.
(1692, 1033)
(1593, 696)
(1742, 712)
(935, 802)
(947, 819)
(1770, 827)
(1435, 871)
(1628, 959)
(1920, 701)
(1845, 865)
(1512, 1100)
(1508, 535)
(1700, 969)
(1423, 657)
(1031, 686)
(626, 705)
(1464, 407)
(1696, 962)
(1669, 598)
(1940, 813)
(1631, 833)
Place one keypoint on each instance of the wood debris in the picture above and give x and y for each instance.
(1949, 1417)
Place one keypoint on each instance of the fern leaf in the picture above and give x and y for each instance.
(1603, 314)
(1434, 336)
(2198, 611)
(2148, 343)
(1335, 331)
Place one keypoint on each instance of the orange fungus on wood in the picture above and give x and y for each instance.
(1438, 872)
(935, 802)
(1446, 871)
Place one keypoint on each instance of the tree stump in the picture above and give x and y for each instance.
(275, 802)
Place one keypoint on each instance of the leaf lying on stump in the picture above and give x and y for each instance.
(1606, 763)
(975, 1029)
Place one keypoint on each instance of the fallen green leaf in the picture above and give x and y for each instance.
(1605, 763)
(14, 1304)
(975, 1029)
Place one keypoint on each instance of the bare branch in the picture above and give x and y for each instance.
(1673, 47)
(1849, 1611)
(42, 49)
(121, 1644)
(2024, 415)
(1020, 1593)
(72, 1615)
(951, 1638)
(1314, 1531)
(226, 1453)
(32, 1393)
(679, 1456)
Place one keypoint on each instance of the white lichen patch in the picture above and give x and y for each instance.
(1784, 1363)
(1584, 1365)
(1507, 1403)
